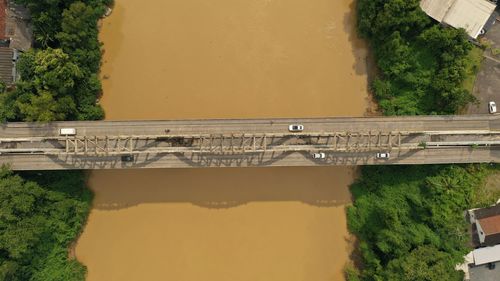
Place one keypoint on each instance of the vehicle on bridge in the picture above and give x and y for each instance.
(251, 143)
(296, 128)
(383, 155)
(67, 131)
(320, 155)
(492, 107)
(127, 158)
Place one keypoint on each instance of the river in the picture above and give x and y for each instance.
(191, 59)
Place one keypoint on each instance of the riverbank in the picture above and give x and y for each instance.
(419, 232)
(43, 212)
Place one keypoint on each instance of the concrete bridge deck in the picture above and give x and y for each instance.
(251, 142)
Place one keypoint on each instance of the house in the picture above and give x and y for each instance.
(485, 226)
(483, 263)
(15, 36)
(475, 16)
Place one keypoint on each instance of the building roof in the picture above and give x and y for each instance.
(18, 27)
(490, 225)
(486, 255)
(3, 16)
(6, 65)
(18, 11)
(491, 240)
(489, 219)
(487, 212)
(436, 9)
(470, 15)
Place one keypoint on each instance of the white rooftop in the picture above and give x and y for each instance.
(486, 255)
(470, 15)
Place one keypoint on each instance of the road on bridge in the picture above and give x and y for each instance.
(250, 143)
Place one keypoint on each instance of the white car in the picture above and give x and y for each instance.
(383, 155)
(296, 128)
(320, 155)
(67, 131)
(492, 107)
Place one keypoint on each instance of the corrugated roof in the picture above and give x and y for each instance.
(436, 9)
(470, 15)
(486, 255)
(3, 17)
(6, 65)
(490, 225)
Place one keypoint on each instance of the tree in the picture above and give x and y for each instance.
(48, 95)
(409, 220)
(425, 263)
(36, 226)
(79, 35)
(46, 17)
(54, 71)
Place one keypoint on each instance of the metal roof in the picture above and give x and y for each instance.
(486, 255)
(470, 15)
(436, 9)
(6, 65)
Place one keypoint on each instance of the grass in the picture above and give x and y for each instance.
(473, 63)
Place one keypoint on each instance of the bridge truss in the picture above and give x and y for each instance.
(210, 143)
(243, 143)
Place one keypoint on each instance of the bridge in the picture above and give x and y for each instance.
(250, 143)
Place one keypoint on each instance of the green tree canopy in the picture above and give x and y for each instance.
(48, 95)
(36, 226)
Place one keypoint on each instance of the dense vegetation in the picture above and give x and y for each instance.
(59, 78)
(42, 213)
(422, 64)
(409, 220)
(39, 217)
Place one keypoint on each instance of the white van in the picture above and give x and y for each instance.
(67, 131)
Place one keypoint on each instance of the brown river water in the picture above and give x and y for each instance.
(191, 59)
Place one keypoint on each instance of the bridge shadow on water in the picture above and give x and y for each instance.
(222, 188)
(209, 160)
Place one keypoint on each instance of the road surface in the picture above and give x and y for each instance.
(251, 142)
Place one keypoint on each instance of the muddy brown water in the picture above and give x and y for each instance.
(191, 59)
